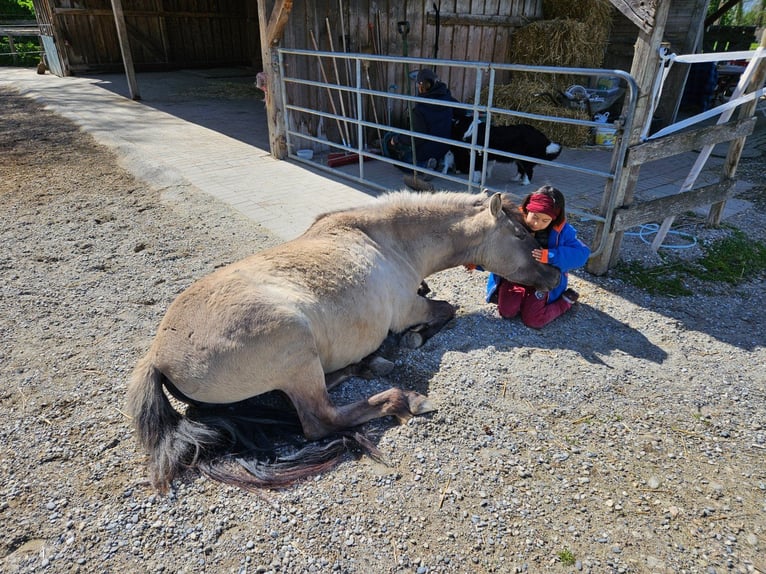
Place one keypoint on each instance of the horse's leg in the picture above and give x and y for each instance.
(319, 417)
(439, 314)
(371, 366)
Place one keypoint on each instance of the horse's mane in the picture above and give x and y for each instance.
(440, 200)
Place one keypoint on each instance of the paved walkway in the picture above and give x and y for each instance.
(178, 134)
(208, 129)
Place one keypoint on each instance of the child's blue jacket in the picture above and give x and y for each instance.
(565, 251)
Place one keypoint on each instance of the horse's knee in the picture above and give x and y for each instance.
(440, 313)
(412, 339)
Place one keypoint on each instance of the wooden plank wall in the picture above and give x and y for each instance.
(677, 30)
(164, 34)
(470, 30)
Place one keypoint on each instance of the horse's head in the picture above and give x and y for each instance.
(507, 249)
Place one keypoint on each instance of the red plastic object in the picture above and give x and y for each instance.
(338, 159)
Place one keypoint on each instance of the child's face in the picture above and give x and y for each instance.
(537, 221)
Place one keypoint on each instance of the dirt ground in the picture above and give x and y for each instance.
(627, 436)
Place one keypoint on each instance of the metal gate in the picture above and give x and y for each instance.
(345, 113)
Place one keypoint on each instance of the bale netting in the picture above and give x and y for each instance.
(561, 42)
(529, 96)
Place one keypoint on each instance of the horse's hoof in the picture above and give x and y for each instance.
(412, 340)
(380, 366)
(418, 404)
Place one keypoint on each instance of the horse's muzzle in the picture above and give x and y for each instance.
(550, 278)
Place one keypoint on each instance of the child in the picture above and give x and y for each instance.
(545, 216)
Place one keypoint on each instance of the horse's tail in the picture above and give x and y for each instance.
(174, 443)
(226, 443)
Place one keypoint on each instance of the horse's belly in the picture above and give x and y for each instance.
(237, 334)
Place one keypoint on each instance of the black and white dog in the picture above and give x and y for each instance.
(520, 139)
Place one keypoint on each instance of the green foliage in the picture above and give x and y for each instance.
(17, 9)
(733, 260)
(27, 49)
(27, 54)
(741, 14)
(665, 279)
(566, 557)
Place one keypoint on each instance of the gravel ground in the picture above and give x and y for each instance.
(628, 436)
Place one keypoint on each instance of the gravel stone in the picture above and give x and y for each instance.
(629, 432)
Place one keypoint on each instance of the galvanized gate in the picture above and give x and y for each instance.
(336, 118)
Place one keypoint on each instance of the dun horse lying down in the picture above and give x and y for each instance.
(303, 316)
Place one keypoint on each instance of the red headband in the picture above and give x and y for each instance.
(541, 203)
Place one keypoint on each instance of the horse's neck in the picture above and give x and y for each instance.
(433, 244)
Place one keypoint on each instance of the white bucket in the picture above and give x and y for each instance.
(605, 136)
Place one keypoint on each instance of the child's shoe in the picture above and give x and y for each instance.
(570, 296)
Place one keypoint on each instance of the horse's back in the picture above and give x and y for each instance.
(256, 324)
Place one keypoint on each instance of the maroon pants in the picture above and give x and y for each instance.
(535, 310)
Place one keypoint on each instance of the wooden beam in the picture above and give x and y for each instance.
(646, 63)
(656, 209)
(127, 57)
(689, 42)
(721, 11)
(687, 141)
(148, 13)
(465, 19)
(271, 30)
(278, 20)
(642, 14)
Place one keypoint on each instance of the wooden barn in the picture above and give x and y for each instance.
(92, 36)
(278, 38)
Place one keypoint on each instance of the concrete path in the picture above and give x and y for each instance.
(176, 135)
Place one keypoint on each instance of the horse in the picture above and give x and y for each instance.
(303, 316)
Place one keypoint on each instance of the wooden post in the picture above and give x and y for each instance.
(746, 110)
(670, 100)
(271, 33)
(127, 57)
(646, 62)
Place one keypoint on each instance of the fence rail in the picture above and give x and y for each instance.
(357, 126)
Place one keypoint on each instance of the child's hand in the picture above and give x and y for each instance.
(537, 254)
(469, 267)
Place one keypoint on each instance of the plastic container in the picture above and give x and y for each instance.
(604, 134)
(305, 153)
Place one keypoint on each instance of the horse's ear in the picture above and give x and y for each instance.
(496, 204)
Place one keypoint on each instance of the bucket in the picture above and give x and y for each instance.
(605, 136)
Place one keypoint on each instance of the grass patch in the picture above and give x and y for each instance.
(566, 557)
(734, 259)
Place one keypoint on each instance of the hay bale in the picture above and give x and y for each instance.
(527, 95)
(565, 43)
(573, 35)
(594, 12)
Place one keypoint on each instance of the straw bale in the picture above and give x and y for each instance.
(573, 35)
(560, 42)
(594, 12)
(527, 96)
